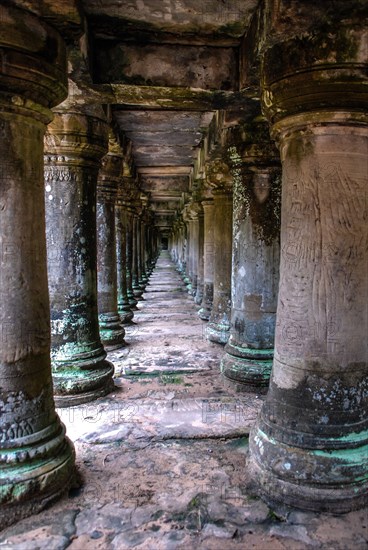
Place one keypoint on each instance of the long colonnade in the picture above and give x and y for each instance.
(271, 241)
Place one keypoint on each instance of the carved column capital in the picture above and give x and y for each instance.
(109, 176)
(78, 136)
(218, 175)
(313, 72)
(33, 63)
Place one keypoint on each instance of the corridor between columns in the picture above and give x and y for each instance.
(161, 459)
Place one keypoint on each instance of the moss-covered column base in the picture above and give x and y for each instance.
(74, 144)
(36, 459)
(309, 446)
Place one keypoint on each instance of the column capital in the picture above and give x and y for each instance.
(218, 175)
(207, 203)
(317, 70)
(252, 147)
(33, 72)
(109, 176)
(78, 135)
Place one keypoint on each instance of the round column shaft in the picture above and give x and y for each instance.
(142, 254)
(309, 447)
(255, 266)
(200, 265)
(136, 266)
(218, 328)
(194, 243)
(111, 331)
(124, 307)
(74, 144)
(208, 254)
(129, 259)
(36, 459)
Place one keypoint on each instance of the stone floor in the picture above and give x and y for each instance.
(162, 459)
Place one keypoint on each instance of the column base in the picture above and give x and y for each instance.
(137, 292)
(204, 313)
(111, 332)
(74, 385)
(218, 332)
(132, 301)
(248, 366)
(126, 314)
(331, 480)
(199, 295)
(35, 473)
(143, 280)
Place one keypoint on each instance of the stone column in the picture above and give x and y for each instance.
(187, 272)
(309, 447)
(37, 460)
(111, 331)
(183, 237)
(194, 243)
(74, 144)
(208, 254)
(121, 224)
(256, 258)
(129, 258)
(190, 246)
(200, 262)
(218, 328)
(142, 256)
(136, 266)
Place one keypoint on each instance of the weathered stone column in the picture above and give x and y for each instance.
(309, 447)
(37, 460)
(111, 331)
(129, 258)
(200, 262)
(194, 247)
(136, 266)
(183, 247)
(188, 268)
(256, 257)
(121, 225)
(218, 328)
(191, 255)
(208, 254)
(74, 144)
(143, 279)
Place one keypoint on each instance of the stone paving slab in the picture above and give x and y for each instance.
(160, 419)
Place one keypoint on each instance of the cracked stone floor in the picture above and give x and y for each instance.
(162, 459)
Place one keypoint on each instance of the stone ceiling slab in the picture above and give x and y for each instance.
(207, 68)
(178, 184)
(163, 138)
(226, 18)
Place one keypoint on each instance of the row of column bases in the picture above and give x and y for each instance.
(309, 446)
